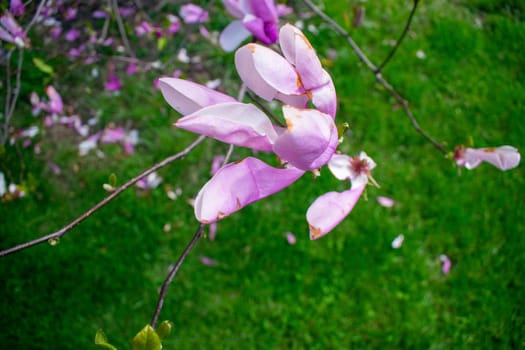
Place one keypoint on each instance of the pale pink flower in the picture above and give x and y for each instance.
(207, 261)
(113, 83)
(502, 157)
(10, 31)
(290, 238)
(192, 13)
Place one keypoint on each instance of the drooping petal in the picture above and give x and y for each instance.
(187, 97)
(266, 72)
(233, 35)
(238, 184)
(328, 210)
(237, 123)
(309, 140)
(503, 157)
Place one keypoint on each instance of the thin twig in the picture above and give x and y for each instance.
(172, 273)
(35, 17)
(7, 106)
(401, 37)
(58, 234)
(265, 109)
(121, 27)
(191, 244)
(377, 75)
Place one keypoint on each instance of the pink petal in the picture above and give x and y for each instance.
(112, 135)
(340, 166)
(265, 32)
(398, 241)
(232, 6)
(299, 52)
(207, 261)
(233, 35)
(266, 72)
(113, 83)
(325, 98)
(283, 10)
(216, 164)
(55, 100)
(309, 140)
(192, 13)
(238, 184)
(385, 201)
(236, 123)
(16, 7)
(187, 97)
(290, 238)
(330, 209)
(446, 264)
(503, 157)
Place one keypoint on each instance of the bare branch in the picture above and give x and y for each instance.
(377, 74)
(400, 40)
(172, 273)
(58, 234)
(121, 28)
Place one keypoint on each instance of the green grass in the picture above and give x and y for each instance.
(348, 290)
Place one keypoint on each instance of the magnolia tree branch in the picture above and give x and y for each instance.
(377, 72)
(121, 28)
(191, 244)
(11, 93)
(58, 234)
(173, 272)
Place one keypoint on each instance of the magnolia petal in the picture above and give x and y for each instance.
(266, 72)
(325, 98)
(233, 35)
(503, 157)
(309, 140)
(55, 100)
(265, 9)
(232, 6)
(340, 166)
(187, 97)
(299, 101)
(299, 52)
(238, 184)
(328, 210)
(266, 32)
(240, 124)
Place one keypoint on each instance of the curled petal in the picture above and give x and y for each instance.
(330, 209)
(325, 98)
(266, 72)
(187, 97)
(233, 35)
(238, 184)
(309, 140)
(265, 9)
(240, 124)
(299, 52)
(503, 157)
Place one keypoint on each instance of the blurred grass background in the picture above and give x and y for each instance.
(347, 290)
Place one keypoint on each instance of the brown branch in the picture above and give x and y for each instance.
(58, 234)
(401, 37)
(377, 74)
(121, 28)
(172, 273)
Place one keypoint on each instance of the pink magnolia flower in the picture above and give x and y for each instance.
(259, 18)
(113, 83)
(11, 32)
(143, 28)
(72, 34)
(293, 79)
(503, 157)
(306, 143)
(16, 7)
(149, 182)
(54, 106)
(192, 13)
